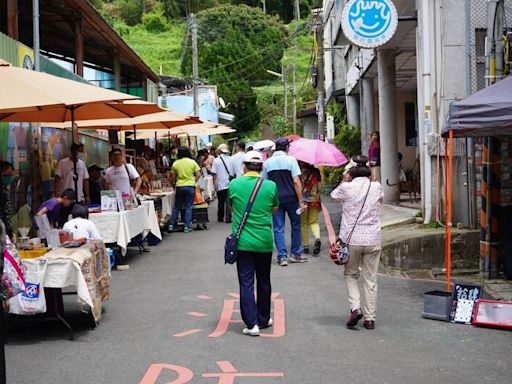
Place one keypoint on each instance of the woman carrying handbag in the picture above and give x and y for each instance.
(253, 200)
(361, 200)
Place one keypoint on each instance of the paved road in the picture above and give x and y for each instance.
(182, 288)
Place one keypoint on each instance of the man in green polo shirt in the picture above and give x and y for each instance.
(255, 245)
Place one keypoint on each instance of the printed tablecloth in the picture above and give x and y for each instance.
(87, 268)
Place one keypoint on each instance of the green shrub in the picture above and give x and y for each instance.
(155, 21)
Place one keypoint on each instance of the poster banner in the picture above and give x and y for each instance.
(25, 56)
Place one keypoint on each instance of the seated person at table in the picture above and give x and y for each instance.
(80, 225)
(52, 207)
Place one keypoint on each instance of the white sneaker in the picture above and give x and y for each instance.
(255, 331)
(269, 324)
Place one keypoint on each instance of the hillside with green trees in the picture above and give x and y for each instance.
(237, 45)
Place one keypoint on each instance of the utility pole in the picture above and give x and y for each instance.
(283, 72)
(320, 75)
(294, 98)
(195, 67)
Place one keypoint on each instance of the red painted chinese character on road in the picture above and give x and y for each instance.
(227, 376)
(230, 373)
(226, 317)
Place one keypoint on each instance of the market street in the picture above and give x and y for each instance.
(166, 309)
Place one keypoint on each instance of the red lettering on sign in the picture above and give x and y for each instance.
(154, 371)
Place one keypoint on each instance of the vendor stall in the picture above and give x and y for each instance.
(86, 268)
(154, 228)
(120, 227)
(167, 201)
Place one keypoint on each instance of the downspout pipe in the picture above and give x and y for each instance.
(427, 97)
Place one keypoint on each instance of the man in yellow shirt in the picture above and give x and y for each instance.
(185, 172)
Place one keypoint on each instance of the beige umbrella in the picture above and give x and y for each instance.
(153, 121)
(202, 129)
(31, 96)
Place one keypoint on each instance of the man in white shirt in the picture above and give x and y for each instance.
(120, 176)
(80, 226)
(238, 159)
(64, 176)
(222, 170)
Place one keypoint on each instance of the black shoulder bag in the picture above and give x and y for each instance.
(227, 170)
(231, 246)
(341, 247)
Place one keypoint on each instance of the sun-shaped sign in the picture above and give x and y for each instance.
(369, 23)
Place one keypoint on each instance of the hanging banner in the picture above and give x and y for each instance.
(25, 56)
(369, 23)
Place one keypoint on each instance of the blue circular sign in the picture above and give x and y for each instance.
(369, 23)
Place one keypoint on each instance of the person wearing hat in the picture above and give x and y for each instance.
(238, 159)
(223, 173)
(65, 174)
(255, 244)
(97, 183)
(284, 170)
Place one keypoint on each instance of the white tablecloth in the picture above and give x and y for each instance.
(208, 188)
(149, 205)
(121, 227)
(167, 201)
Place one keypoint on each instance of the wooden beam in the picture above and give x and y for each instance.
(12, 19)
(79, 48)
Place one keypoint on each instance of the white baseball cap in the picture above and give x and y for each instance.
(223, 148)
(252, 157)
(209, 145)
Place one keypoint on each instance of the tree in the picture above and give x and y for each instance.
(237, 44)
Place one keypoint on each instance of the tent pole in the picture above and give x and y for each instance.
(449, 187)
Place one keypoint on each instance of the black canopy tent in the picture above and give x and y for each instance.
(486, 113)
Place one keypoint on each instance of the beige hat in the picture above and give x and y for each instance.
(223, 148)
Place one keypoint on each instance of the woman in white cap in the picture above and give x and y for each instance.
(255, 244)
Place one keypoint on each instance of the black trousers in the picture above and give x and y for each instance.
(248, 265)
(224, 209)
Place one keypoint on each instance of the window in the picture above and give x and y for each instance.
(411, 134)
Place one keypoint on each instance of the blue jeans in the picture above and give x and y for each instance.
(278, 220)
(184, 197)
(254, 311)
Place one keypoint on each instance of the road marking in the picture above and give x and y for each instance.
(197, 314)
(203, 297)
(188, 333)
(230, 373)
(228, 310)
(154, 371)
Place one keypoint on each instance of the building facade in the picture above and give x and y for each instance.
(403, 90)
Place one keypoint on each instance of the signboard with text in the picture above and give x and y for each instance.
(369, 23)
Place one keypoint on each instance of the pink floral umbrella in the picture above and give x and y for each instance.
(317, 152)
